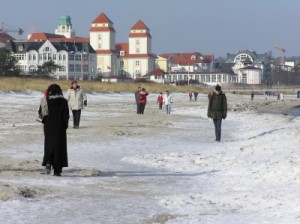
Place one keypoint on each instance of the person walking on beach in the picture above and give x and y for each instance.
(217, 110)
(160, 100)
(137, 100)
(195, 96)
(54, 112)
(190, 96)
(142, 100)
(77, 100)
(168, 100)
(252, 96)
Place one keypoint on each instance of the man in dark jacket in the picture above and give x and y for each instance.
(137, 100)
(217, 110)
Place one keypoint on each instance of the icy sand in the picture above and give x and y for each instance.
(126, 168)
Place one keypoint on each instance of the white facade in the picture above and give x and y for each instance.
(78, 65)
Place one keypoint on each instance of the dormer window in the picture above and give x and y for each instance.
(20, 48)
(122, 53)
(193, 57)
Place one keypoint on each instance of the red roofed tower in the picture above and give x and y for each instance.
(102, 39)
(140, 60)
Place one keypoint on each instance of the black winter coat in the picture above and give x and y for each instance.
(217, 107)
(55, 126)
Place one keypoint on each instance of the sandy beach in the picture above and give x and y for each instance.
(128, 168)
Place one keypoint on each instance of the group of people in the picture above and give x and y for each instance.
(195, 96)
(141, 100)
(54, 114)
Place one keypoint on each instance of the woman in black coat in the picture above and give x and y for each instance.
(54, 112)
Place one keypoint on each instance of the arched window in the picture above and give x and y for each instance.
(32, 69)
(62, 69)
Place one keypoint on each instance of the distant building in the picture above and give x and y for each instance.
(132, 59)
(250, 67)
(76, 60)
(188, 68)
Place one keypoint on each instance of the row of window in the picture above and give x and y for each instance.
(77, 68)
(49, 57)
(201, 78)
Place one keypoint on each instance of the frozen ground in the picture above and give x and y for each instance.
(126, 168)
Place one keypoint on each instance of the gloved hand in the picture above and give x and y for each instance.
(85, 103)
(224, 116)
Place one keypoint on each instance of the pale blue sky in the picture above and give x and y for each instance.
(207, 26)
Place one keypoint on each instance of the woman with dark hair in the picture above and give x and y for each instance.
(54, 112)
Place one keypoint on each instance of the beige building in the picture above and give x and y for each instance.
(131, 59)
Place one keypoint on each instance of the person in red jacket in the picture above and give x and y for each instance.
(143, 100)
(160, 100)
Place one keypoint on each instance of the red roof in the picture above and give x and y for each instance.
(102, 29)
(102, 18)
(188, 58)
(44, 36)
(158, 72)
(104, 51)
(122, 47)
(56, 38)
(140, 26)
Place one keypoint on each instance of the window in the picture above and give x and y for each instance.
(244, 78)
(99, 37)
(122, 64)
(34, 57)
(137, 50)
(219, 78)
(85, 68)
(64, 57)
(71, 67)
(32, 69)
(203, 78)
(44, 56)
(77, 68)
(78, 57)
(20, 57)
(49, 57)
(46, 49)
(137, 63)
(213, 78)
(137, 42)
(207, 78)
(99, 46)
(71, 57)
(54, 57)
(122, 53)
(62, 69)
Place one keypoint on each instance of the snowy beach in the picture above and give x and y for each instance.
(127, 168)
